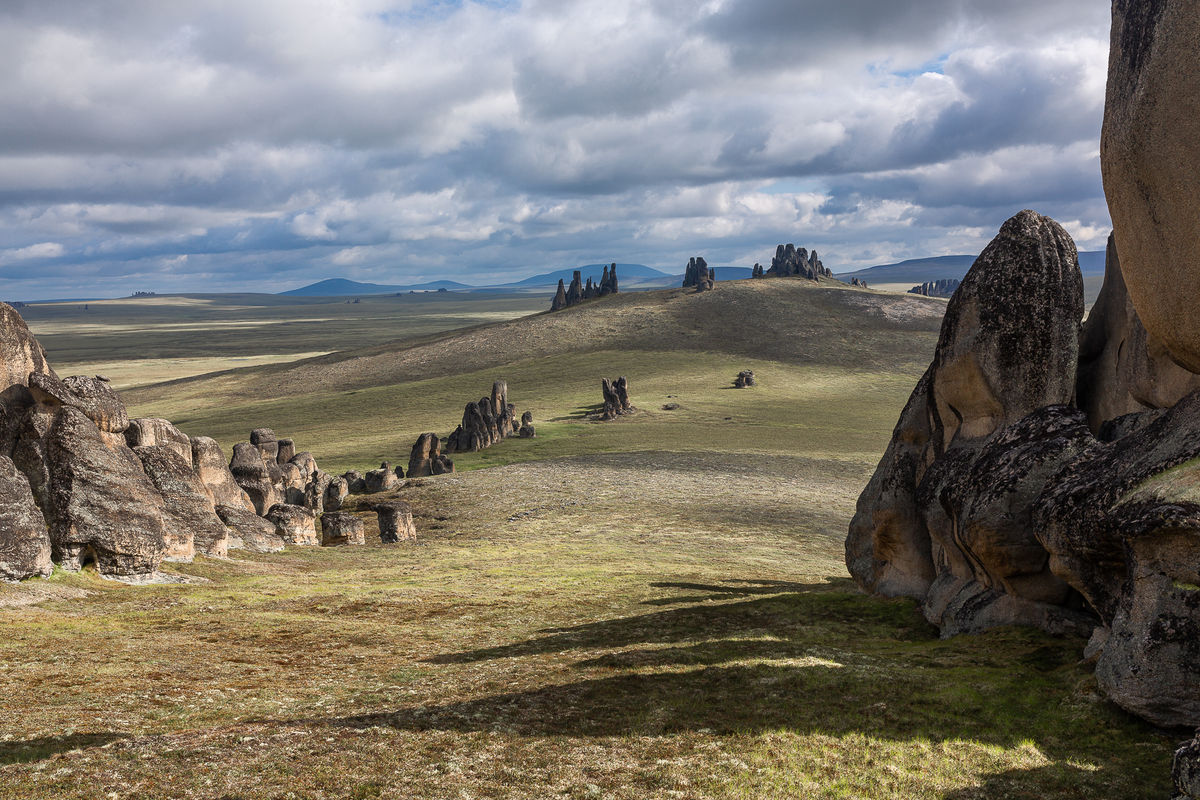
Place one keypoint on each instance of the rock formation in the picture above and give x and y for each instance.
(160, 432)
(484, 423)
(861, 284)
(24, 539)
(250, 531)
(757, 271)
(382, 479)
(1150, 160)
(698, 274)
(560, 297)
(526, 430)
(1186, 770)
(395, 522)
(575, 290)
(789, 261)
(340, 527)
(1044, 478)
(294, 524)
(212, 469)
(427, 459)
(190, 521)
(939, 288)
(616, 398)
(579, 291)
(252, 474)
(335, 492)
(744, 379)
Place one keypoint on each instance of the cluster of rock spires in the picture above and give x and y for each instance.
(579, 291)
(946, 287)
(859, 283)
(789, 261)
(616, 398)
(1047, 475)
(485, 422)
(698, 274)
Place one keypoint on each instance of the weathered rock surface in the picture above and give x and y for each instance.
(427, 459)
(790, 261)
(484, 423)
(340, 528)
(335, 492)
(155, 432)
(94, 397)
(1122, 368)
(355, 482)
(250, 531)
(1186, 770)
(190, 521)
(266, 442)
(744, 379)
(1150, 159)
(395, 522)
(286, 451)
(98, 503)
(381, 480)
(757, 271)
(1008, 346)
(24, 538)
(252, 474)
(575, 290)
(293, 524)
(616, 398)
(698, 274)
(21, 356)
(210, 466)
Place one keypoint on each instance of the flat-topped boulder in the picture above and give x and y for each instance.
(250, 531)
(341, 528)
(395, 521)
(294, 524)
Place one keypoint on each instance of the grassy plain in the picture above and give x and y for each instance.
(650, 608)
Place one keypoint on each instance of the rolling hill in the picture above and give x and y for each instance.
(342, 287)
(920, 270)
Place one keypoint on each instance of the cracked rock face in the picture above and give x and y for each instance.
(24, 539)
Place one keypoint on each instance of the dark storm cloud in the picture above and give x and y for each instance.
(219, 144)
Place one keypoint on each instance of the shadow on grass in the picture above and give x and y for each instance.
(580, 413)
(771, 656)
(28, 750)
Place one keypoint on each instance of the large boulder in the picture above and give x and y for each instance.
(212, 469)
(98, 502)
(335, 492)
(156, 432)
(1122, 368)
(382, 479)
(340, 528)
(616, 398)
(93, 396)
(395, 522)
(294, 524)
(266, 442)
(252, 474)
(250, 531)
(1150, 160)
(287, 449)
(426, 457)
(24, 539)
(190, 521)
(1008, 346)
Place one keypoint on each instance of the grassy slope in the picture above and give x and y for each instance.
(654, 607)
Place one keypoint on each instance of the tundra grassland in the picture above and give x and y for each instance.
(655, 607)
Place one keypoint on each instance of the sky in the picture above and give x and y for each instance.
(226, 145)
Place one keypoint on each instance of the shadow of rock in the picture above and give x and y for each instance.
(25, 751)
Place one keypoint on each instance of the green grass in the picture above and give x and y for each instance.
(652, 607)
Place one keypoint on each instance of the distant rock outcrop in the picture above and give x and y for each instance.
(757, 271)
(861, 284)
(698, 274)
(744, 379)
(579, 291)
(790, 261)
(946, 287)
(616, 398)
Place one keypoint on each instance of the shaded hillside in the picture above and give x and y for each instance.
(791, 321)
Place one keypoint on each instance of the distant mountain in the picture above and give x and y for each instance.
(341, 287)
(634, 273)
(921, 270)
(723, 274)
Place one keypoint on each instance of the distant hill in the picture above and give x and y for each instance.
(920, 270)
(634, 273)
(341, 287)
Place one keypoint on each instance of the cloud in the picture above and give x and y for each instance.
(218, 145)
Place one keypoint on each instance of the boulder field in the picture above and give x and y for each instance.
(1045, 471)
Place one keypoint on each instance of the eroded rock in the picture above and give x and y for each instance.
(395, 522)
(294, 524)
(24, 538)
(341, 528)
